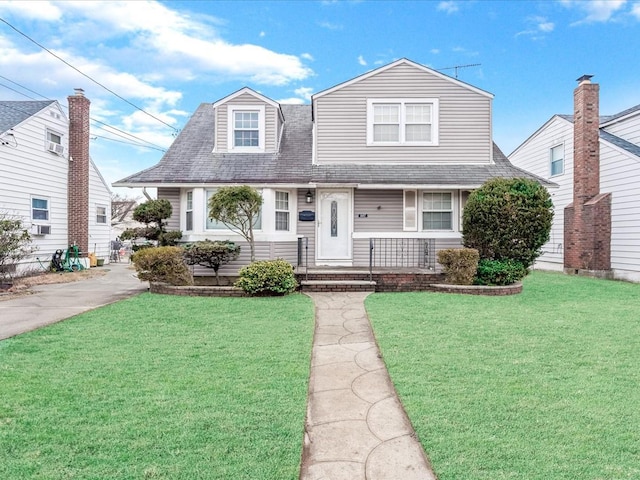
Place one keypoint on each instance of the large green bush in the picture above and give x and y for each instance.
(267, 277)
(499, 272)
(162, 264)
(508, 219)
(459, 265)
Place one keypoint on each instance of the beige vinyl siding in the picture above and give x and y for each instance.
(620, 174)
(383, 209)
(99, 195)
(307, 229)
(464, 120)
(629, 129)
(173, 195)
(46, 178)
(534, 156)
(223, 123)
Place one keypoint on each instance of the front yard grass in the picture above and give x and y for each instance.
(159, 387)
(542, 385)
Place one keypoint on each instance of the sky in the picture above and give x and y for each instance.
(147, 65)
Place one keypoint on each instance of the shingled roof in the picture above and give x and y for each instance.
(191, 160)
(13, 113)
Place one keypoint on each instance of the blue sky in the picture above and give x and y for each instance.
(168, 57)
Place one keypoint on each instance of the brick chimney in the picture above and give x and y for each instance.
(78, 182)
(587, 221)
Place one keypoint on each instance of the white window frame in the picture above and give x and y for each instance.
(232, 110)
(410, 211)
(280, 210)
(48, 209)
(99, 215)
(452, 211)
(403, 102)
(559, 147)
(188, 210)
(53, 133)
(223, 228)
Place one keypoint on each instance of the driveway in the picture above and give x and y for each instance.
(51, 303)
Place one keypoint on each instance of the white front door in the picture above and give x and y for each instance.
(334, 227)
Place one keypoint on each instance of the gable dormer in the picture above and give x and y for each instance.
(247, 122)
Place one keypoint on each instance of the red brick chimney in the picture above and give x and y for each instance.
(78, 182)
(587, 221)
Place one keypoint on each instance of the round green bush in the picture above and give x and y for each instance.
(499, 272)
(267, 277)
(508, 218)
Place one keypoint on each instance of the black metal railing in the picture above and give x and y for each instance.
(401, 253)
(303, 255)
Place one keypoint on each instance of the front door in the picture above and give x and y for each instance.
(334, 227)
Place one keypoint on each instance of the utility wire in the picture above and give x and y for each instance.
(87, 76)
(153, 145)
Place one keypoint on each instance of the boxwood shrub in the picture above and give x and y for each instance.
(269, 277)
(499, 272)
(162, 264)
(459, 265)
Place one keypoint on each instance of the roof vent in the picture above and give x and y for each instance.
(584, 79)
(79, 92)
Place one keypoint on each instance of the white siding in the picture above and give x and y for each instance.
(629, 129)
(99, 233)
(534, 156)
(464, 120)
(29, 169)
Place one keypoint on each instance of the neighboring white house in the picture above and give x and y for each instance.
(549, 153)
(37, 163)
(377, 169)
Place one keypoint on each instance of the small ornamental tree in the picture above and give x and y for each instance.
(211, 254)
(14, 245)
(508, 219)
(153, 214)
(238, 208)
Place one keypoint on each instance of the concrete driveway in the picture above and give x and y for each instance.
(52, 303)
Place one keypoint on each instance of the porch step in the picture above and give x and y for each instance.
(337, 286)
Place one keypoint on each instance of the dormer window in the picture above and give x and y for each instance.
(247, 128)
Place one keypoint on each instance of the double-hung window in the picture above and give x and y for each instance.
(410, 122)
(101, 214)
(188, 224)
(557, 160)
(39, 208)
(247, 128)
(282, 211)
(437, 211)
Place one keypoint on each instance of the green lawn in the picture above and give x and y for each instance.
(159, 387)
(543, 385)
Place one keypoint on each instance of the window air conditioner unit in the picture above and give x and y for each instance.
(56, 148)
(41, 229)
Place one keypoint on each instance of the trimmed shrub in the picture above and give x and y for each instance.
(162, 264)
(500, 272)
(459, 265)
(211, 254)
(268, 277)
(508, 218)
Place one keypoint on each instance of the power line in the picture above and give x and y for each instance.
(153, 145)
(129, 143)
(85, 75)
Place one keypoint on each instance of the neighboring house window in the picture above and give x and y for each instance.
(402, 121)
(215, 225)
(247, 128)
(557, 160)
(189, 212)
(437, 211)
(39, 208)
(101, 214)
(282, 211)
(410, 210)
(54, 143)
(54, 137)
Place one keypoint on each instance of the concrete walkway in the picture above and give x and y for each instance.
(52, 303)
(356, 427)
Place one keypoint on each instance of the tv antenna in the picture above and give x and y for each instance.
(458, 67)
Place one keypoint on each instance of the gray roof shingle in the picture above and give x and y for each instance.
(190, 160)
(13, 112)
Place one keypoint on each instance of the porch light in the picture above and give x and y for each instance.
(309, 196)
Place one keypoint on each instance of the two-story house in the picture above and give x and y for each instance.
(595, 161)
(376, 170)
(48, 180)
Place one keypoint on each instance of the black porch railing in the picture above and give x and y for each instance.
(401, 253)
(303, 254)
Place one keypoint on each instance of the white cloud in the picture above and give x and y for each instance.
(262, 34)
(595, 10)
(304, 92)
(330, 25)
(537, 27)
(361, 60)
(635, 10)
(307, 56)
(291, 101)
(35, 10)
(448, 6)
(435, 51)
